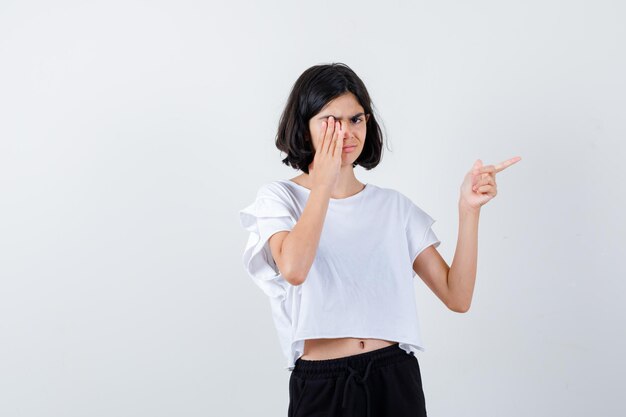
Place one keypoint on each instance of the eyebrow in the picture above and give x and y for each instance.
(329, 115)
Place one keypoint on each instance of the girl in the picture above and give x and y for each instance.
(337, 257)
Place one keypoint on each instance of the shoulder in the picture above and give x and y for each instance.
(278, 193)
(409, 210)
(392, 195)
(272, 201)
(278, 189)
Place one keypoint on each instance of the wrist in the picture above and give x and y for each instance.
(465, 208)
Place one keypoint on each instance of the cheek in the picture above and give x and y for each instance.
(313, 134)
(360, 133)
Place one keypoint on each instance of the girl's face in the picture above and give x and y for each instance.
(346, 110)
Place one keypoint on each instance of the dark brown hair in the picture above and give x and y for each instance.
(310, 93)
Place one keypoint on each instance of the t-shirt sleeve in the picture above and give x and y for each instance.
(419, 232)
(267, 215)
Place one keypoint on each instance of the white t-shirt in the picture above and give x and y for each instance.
(361, 281)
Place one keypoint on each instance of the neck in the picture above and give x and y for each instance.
(347, 184)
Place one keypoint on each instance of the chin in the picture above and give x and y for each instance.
(353, 155)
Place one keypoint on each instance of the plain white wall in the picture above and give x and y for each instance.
(132, 132)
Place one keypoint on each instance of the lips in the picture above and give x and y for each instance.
(349, 146)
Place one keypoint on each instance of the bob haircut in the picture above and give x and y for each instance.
(316, 87)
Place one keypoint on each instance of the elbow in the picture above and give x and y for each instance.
(462, 308)
(294, 280)
(290, 273)
(457, 303)
(294, 277)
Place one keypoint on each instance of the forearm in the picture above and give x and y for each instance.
(462, 274)
(300, 246)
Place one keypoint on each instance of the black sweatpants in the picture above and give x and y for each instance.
(384, 382)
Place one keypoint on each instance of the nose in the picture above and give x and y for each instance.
(347, 133)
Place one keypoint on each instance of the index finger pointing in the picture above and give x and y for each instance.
(507, 163)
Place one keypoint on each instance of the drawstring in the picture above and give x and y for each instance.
(354, 376)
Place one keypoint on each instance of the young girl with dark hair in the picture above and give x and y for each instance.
(337, 257)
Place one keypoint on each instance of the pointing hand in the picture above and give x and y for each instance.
(479, 184)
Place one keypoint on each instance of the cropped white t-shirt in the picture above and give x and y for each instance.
(361, 281)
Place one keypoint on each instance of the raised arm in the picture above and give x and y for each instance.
(454, 285)
(294, 251)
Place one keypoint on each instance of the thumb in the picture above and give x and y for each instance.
(477, 164)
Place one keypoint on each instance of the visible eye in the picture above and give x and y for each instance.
(357, 120)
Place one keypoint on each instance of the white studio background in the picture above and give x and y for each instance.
(132, 132)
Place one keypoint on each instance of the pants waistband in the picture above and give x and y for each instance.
(338, 366)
